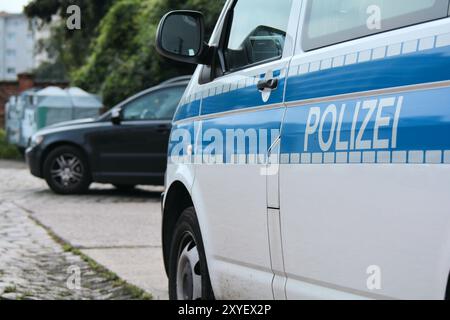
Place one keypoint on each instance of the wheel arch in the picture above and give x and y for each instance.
(177, 199)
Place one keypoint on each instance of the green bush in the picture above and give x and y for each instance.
(114, 53)
(7, 151)
(123, 60)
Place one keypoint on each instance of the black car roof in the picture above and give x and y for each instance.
(178, 81)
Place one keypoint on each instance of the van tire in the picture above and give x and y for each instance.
(186, 243)
(80, 175)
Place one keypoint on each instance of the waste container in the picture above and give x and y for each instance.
(53, 105)
(85, 105)
(12, 121)
(36, 109)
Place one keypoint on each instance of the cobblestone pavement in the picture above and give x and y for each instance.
(120, 231)
(34, 266)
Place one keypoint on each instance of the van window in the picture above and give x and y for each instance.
(330, 22)
(257, 33)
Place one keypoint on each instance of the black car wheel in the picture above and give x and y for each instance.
(66, 171)
(188, 270)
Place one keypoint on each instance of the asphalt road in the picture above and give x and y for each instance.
(120, 231)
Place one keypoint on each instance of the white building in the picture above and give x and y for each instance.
(18, 45)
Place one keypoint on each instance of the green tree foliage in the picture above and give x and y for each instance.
(55, 68)
(124, 58)
(72, 46)
(114, 54)
(7, 151)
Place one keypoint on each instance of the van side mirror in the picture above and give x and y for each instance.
(181, 37)
(116, 116)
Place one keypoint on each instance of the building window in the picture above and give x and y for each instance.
(11, 53)
(11, 70)
(11, 35)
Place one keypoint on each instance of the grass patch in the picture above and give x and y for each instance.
(134, 291)
(25, 296)
(10, 289)
(7, 151)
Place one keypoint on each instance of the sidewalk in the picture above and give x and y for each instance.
(34, 266)
(120, 231)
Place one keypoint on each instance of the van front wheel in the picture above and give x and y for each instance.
(188, 270)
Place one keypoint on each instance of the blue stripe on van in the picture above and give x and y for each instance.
(240, 99)
(424, 124)
(181, 137)
(423, 129)
(188, 110)
(409, 69)
(265, 124)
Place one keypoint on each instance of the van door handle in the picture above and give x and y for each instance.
(270, 84)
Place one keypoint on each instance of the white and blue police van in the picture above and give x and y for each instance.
(310, 155)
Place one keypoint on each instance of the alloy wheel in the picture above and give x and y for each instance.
(67, 170)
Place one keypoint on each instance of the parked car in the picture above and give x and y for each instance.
(126, 147)
(349, 198)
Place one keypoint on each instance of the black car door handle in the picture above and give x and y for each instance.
(270, 84)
